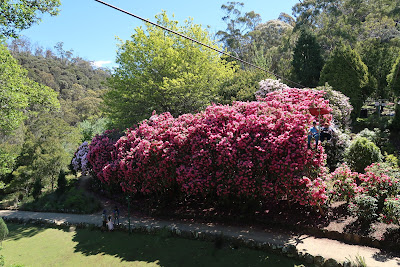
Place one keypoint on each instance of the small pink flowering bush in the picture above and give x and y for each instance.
(391, 211)
(370, 195)
(79, 161)
(344, 184)
(247, 151)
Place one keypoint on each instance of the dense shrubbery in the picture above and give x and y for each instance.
(370, 195)
(247, 151)
(73, 200)
(336, 148)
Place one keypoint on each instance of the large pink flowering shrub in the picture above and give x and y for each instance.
(247, 151)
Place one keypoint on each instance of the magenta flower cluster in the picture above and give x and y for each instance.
(249, 150)
(100, 150)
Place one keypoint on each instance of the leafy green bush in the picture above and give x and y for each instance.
(362, 153)
(364, 207)
(3, 230)
(378, 137)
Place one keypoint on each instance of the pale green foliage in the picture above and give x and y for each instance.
(161, 71)
(242, 86)
(90, 128)
(18, 15)
(18, 94)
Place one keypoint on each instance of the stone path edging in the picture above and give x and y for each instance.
(312, 250)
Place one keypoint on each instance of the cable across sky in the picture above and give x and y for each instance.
(198, 42)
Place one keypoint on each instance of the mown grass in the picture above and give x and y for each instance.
(31, 245)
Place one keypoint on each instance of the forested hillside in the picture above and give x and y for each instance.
(79, 84)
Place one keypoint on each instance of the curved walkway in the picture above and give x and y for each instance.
(328, 249)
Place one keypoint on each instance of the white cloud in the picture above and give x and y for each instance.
(100, 63)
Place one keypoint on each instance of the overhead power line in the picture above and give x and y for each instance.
(198, 42)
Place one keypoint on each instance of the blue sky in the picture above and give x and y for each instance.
(90, 28)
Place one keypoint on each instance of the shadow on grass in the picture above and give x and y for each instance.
(18, 231)
(167, 250)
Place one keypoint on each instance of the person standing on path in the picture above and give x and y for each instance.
(313, 133)
(116, 215)
(110, 224)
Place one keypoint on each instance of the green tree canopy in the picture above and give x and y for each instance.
(379, 57)
(18, 15)
(394, 77)
(346, 72)
(161, 71)
(307, 59)
(348, 20)
(20, 95)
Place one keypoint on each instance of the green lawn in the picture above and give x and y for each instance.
(30, 245)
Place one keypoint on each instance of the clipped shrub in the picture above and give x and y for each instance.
(361, 154)
(378, 137)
